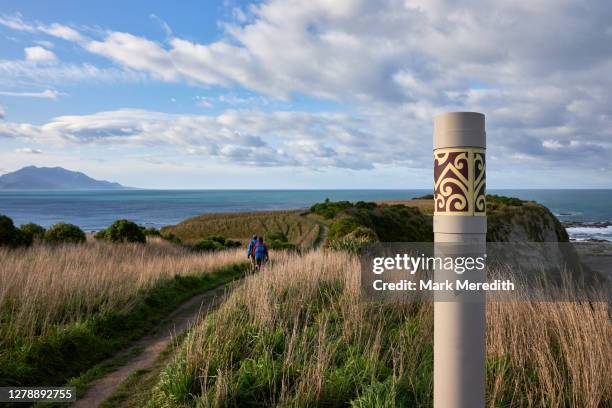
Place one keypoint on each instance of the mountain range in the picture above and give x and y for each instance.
(53, 178)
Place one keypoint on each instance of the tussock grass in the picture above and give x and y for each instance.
(44, 285)
(63, 309)
(297, 334)
(241, 226)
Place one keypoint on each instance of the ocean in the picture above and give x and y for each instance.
(94, 210)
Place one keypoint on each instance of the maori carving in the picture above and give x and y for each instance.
(459, 181)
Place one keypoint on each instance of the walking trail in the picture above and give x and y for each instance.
(153, 344)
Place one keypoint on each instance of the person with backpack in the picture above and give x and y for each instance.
(260, 253)
(251, 251)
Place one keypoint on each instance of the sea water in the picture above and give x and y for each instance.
(94, 210)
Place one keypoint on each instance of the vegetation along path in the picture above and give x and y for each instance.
(152, 345)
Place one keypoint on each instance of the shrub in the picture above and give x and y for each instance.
(498, 201)
(63, 233)
(207, 245)
(11, 236)
(35, 231)
(329, 209)
(278, 240)
(170, 237)
(152, 232)
(122, 231)
(215, 243)
(354, 240)
(341, 228)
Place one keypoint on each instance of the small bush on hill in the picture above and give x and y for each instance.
(11, 236)
(387, 223)
(170, 237)
(354, 240)
(33, 230)
(122, 231)
(151, 232)
(63, 233)
(278, 240)
(329, 209)
(342, 227)
(497, 201)
(215, 243)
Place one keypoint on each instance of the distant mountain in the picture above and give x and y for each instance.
(53, 178)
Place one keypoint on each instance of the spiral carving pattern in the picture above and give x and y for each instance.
(459, 181)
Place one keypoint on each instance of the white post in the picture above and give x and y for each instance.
(459, 218)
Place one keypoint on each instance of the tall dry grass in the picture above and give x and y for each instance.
(41, 286)
(298, 334)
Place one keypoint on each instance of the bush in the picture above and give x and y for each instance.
(10, 236)
(152, 232)
(63, 233)
(498, 201)
(341, 228)
(354, 240)
(122, 231)
(329, 209)
(215, 243)
(35, 231)
(278, 240)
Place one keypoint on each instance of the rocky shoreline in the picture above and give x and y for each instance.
(586, 224)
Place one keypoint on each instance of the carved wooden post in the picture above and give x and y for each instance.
(459, 218)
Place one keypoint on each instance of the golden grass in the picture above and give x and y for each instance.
(241, 226)
(42, 286)
(539, 353)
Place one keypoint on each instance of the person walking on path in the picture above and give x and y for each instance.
(251, 251)
(261, 253)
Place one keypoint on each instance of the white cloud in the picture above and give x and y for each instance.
(44, 43)
(302, 139)
(311, 140)
(25, 74)
(46, 94)
(164, 26)
(2, 112)
(38, 54)
(539, 70)
(28, 150)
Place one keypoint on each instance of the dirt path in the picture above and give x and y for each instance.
(152, 345)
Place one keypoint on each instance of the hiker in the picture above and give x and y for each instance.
(251, 251)
(260, 252)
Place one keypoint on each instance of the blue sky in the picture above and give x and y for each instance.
(293, 94)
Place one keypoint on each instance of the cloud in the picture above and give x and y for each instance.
(46, 94)
(44, 43)
(248, 137)
(538, 70)
(164, 26)
(360, 140)
(28, 150)
(39, 54)
(25, 74)
(2, 112)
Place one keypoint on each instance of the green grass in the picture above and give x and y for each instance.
(312, 337)
(70, 351)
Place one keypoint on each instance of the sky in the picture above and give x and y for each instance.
(305, 94)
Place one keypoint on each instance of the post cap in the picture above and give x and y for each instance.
(459, 129)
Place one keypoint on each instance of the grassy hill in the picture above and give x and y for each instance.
(298, 334)
(299, 230)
